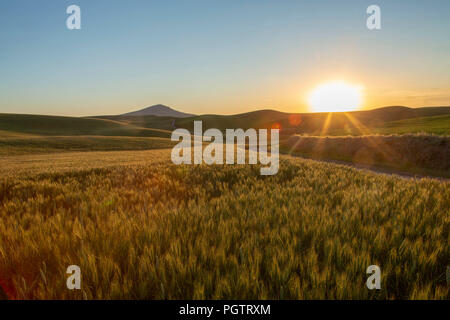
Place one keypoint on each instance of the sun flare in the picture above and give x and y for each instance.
(336, 97)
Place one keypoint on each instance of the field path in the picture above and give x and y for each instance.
(378, 170)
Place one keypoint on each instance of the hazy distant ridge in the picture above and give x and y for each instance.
(159, 110)
(387, 120)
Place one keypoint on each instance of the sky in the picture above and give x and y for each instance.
(222, 57)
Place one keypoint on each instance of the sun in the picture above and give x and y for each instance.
(336, 97)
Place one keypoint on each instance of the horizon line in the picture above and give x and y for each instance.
(218, 114)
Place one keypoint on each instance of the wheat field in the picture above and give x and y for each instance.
(142, 228)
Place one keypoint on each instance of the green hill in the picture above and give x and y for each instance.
(256, 119)
(72, 126)
(51, 144)
(154, 122)
(434, 124)
(383, 120)
(338, 123)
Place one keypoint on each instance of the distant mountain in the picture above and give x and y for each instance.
(159, 110)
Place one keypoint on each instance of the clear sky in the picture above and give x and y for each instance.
(221, 56)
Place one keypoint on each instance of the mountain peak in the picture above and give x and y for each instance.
(159, 110)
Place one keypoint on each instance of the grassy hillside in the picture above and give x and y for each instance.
(161, 231)
(384, 120)
(66, 126)
(155, 122)
(256, 119)
(52, 144)
(434, 124)
(424, 154)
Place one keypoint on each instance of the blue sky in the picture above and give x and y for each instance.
(218, 56)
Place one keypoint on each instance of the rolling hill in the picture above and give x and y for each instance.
(41, 125)
(383, 120)
(35, 134)
(155, 122)
(339, 123)
(436, 124)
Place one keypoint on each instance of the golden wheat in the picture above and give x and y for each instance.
(160, 231)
